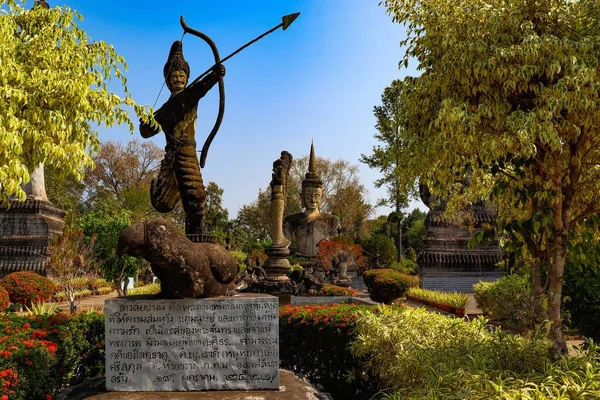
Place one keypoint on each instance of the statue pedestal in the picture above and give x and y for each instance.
(277, 265)
(219, 343)
(25, 231)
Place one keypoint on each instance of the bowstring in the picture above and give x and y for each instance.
(165, 81)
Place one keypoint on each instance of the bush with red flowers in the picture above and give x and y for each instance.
(333, 290)
(314, 341)
(4, 299)
(386, 285)
(27, 287)
(40, 354)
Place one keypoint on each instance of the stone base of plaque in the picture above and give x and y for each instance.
(290, 388)
(220, 343)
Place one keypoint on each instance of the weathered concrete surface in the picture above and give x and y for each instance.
(290, 388)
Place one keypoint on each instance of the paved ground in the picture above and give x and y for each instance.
(92, 302)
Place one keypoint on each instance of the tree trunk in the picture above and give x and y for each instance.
(559, 346)
(399, 238)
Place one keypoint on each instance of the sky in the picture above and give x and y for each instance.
(318, 80)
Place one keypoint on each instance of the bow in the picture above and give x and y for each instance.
(213, 46)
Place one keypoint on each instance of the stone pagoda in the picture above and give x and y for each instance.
(447, 263)
(26, 228)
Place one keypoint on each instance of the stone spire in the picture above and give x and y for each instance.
(312, 178)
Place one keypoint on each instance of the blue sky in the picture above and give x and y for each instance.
(318, 80)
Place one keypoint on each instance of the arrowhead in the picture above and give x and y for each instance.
(288, 19)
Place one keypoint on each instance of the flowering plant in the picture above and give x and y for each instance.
(4, 299)
(27, 287)
(333, 290)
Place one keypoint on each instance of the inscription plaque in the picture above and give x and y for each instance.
(222, 343)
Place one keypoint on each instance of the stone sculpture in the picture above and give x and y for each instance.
(340, 269)
(277, 265)
(311, 226)
(179, 176)
(185, 268)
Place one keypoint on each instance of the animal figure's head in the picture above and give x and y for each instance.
(136, 239)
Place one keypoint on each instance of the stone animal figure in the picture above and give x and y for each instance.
(185, 268)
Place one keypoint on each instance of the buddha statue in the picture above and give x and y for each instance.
(311, 226)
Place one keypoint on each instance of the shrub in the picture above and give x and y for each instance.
(386, 285)
(152, 288)
(380, 250)
(259, 255)
(509, 300)
(333, 290)
(314, 341)
(27, 287)
(420, 355)
(41, 353)
(104, 290)
(4, 299)
(458, 300)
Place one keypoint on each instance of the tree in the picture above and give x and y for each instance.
(386, 157)
(54, 92)
(508, 96)
(71, 256)
(121, 177)
(217, 217)
(254, 220)
(107, 228)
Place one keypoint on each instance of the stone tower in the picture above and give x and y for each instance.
(446, 262)
(26, 228)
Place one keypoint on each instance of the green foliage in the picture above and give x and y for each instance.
(509, 299)
(419, 355)
(54, 93)
(43, 352)
(406, 266)
(333, 290)
(240, 259)
(454, 299)
(386, 285)
(582, 289)
(4, 299)
(216, 216)
(107, 228)
(380, 250)
(28, 287)
(508, 97)
(315, 342)
(153, 288)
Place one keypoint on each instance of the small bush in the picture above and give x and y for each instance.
(333, 290)
(386, 285)
(104, 290)
(27, 287)
(4, 299)
(508, 299)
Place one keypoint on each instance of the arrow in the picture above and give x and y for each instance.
(286, 21)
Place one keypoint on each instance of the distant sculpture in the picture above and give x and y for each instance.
(185, 268)
(340, 269)
(179, 176)
(311, 226)
(281, 168)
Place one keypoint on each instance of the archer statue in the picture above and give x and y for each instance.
(179, 176)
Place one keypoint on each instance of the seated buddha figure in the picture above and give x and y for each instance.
(311, 226)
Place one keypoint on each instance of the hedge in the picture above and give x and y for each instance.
(28, 287)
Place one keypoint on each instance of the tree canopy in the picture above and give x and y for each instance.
(508, 96)
(53, 93)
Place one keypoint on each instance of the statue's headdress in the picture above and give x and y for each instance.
(312, 178)
(175, 61)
